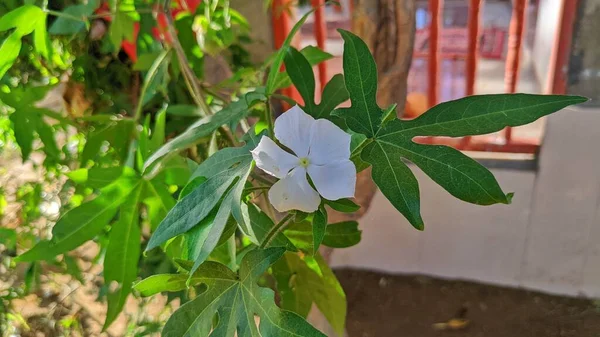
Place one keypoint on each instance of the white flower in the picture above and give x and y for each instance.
(320, 148)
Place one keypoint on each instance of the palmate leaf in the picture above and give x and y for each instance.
(313, 55)
(219, 196)
(300, 285)
(389, 142)
(236, 301)
(301, 73)
(28, 120)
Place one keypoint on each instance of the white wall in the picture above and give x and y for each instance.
(545, 36)
(548, 239)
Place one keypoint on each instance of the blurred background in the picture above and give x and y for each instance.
(511, 257)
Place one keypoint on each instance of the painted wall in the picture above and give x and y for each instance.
(548, 239)
(545, 34)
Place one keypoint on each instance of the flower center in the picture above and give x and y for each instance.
(304, 162)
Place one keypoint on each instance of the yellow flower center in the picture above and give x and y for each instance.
(304, 162)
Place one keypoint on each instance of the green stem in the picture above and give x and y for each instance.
(276, 230)
(269, 118)
(66, 16)
(356, 152)
(149, 77)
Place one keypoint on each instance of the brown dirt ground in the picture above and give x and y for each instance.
(381, 305)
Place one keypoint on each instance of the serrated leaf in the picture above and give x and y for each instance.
(300, 71)
(342, 234)
(122, 254)
(206, 126)
(300, 286)
(83, 223)
(236, 301)
(395, 180)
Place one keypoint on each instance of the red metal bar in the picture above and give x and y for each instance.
(473, 28)
(530, 146)
(320, 36)
(513, 58)
(282, 24)
(435, 16)
(562, 48)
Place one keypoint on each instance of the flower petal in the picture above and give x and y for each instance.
(335, 180)
(292, 129)
(272, 159)
(328, 143)
(294, 192)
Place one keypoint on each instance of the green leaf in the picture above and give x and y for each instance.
(122, 254)
(226, 172)
(261, 224)
(236, 301)
(41, 41)
(8, 237)
(184, 110)
(9, 51)
(319, 224)
(73, 269)
(477, 115)
(117, 133)
(84, 222)
(24, 19)
(67, 25)
(27, 120)
(342, 234)
(395, 180)
(389, 140)
(159, 201)
(95, 177)
(314, 55)
(121, 27)
(301, 74)
(342, 205)
(364, 115)
(278, 59)
(206, 126)
(300, 286)
(159, 283)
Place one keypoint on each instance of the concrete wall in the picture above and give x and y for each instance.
(545, 37)
(548, 239)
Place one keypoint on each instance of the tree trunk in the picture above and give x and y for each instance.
(388, 28)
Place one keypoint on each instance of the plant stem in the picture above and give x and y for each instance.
(66, 16)
(269, 118)
(256, 188)
(276, 230)
(356, 152)
(149, 77)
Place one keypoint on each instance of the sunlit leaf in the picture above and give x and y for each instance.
(122, 255)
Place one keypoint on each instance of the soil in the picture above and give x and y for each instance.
(381, 305)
